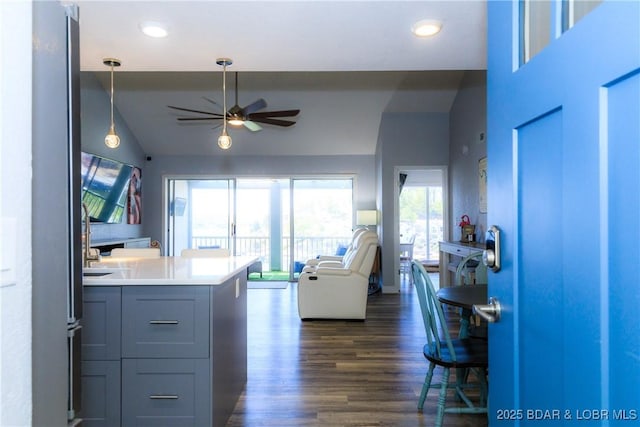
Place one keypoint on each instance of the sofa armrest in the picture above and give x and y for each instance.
(322, 258)
(332, 271)
(330, 264)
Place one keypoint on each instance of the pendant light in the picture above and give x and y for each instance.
(112, 140)
(224, 140)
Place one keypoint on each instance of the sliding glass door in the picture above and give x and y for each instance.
(201, 214)
(282, 221)
(262, 218)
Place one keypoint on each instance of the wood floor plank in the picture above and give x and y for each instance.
(337, 373)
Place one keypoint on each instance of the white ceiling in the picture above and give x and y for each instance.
(342, 63)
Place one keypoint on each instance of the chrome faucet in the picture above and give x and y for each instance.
(88, 253)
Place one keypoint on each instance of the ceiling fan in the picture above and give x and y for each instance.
(248, 116)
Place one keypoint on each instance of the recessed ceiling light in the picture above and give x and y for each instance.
(154, 29)
(426, 28)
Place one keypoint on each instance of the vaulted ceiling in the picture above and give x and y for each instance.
(342, 63)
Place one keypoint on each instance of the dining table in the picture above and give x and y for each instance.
(465, 297)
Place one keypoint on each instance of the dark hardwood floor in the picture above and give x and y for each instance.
(337, 373)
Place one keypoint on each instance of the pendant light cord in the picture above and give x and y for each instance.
(112, 125)
(224, 98)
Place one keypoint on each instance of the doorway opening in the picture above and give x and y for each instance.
(422, 216)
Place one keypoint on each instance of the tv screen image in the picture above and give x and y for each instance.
(104, 187)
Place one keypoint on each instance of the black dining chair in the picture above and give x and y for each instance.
(463, 354)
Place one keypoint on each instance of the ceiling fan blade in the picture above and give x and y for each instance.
(212, 102)
(198, 118)
(253, 127)
(255, 106)
(268, 121)
(281, 113)
(194, 111)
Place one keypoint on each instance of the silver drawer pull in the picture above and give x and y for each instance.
(164, 396)
(163, 322)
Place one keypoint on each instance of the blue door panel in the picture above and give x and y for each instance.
(540, 200)
(623, 152)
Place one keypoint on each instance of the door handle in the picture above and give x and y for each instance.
(489, 312)
(491, 255)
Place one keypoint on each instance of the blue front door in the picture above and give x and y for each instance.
(564, 188)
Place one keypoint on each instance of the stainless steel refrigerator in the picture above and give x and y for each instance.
(56, 243)
(74, 290)
(56, 239)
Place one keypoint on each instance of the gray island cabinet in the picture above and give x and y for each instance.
(163, 354)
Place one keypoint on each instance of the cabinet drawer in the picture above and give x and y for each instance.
(100, 393)
(165, 392)
(101, 323)
(165, 321)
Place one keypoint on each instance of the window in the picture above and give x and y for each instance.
(543, 20)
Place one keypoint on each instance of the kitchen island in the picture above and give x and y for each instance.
(164, 340)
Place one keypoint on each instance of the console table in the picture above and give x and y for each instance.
(450, 255)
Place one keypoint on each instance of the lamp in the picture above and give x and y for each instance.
(367, 217)
(224, 140)
(112, 140)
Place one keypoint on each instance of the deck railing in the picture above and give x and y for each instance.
(305, 247)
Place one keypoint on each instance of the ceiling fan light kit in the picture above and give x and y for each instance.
(112, 140)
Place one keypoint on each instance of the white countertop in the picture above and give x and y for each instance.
(166, 271)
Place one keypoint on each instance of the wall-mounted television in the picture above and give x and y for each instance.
(104, 187)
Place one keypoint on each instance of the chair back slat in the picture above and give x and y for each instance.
(480, 270)
(435, 324)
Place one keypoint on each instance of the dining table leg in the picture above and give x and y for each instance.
(465, 316)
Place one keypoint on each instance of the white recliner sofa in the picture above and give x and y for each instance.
(339, 290)
(311, 264)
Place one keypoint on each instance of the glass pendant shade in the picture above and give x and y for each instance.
(224, 140)
(112, 140)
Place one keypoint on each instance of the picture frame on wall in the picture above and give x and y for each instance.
(482, 180)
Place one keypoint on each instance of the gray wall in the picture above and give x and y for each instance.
(96, 114)
(405, 139)
(468, 118)
(155, 170)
